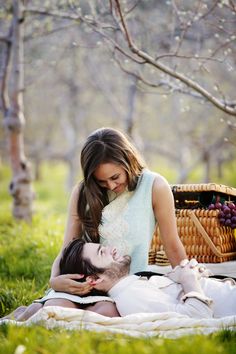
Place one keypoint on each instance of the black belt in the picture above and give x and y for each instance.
(149, 274)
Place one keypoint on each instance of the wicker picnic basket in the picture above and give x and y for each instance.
(199, 228)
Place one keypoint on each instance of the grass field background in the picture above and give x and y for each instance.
(26, 254)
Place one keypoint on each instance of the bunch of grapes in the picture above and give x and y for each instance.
(227, 213)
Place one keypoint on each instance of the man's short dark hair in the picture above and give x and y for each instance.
(73, 262)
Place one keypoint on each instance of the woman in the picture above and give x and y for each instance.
(118, 202)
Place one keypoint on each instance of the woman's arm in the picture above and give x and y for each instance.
(72, 229)
(164, 210)
(66, 283)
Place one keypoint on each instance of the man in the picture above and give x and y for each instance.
(181, 291)
(108, 271)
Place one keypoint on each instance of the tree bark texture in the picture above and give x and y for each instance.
(21, 184)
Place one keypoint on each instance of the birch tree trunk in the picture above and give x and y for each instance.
(21, 184)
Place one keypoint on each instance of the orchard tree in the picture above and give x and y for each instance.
(169, 48)
(219, 22)
(12, 86)
(163, 60)
(163, 71)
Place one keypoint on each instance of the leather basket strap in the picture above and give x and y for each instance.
(206, 237)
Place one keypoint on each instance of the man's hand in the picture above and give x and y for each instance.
(183, 270)
(199, 270)
(202, 270)
(67, 283)
(188, 277)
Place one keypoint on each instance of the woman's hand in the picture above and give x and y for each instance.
(67, 283)
(186, 266)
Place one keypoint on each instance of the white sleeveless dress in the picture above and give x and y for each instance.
(128, 222)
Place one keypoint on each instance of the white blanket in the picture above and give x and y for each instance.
(167, 325)
(228, 269)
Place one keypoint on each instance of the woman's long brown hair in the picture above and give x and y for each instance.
(105, 145)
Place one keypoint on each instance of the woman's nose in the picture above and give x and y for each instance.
(111, 185)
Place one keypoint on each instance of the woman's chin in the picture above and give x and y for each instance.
(119, 189)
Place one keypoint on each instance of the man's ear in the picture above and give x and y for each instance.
(93, 280)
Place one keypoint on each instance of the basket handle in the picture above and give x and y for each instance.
(206, 237)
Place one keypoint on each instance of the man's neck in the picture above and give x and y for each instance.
(113, 282)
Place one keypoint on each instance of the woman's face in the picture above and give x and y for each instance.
(111, 176)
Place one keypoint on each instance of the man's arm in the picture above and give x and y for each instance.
(194, 302)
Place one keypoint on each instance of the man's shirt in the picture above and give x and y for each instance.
(134, 294)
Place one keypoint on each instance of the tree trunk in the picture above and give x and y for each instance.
(20, 187)
(207, 166)
(129, 119)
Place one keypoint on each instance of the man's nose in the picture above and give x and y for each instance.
(110, 249)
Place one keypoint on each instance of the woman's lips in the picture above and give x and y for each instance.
(118, 189)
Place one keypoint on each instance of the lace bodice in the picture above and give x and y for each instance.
(128, 222)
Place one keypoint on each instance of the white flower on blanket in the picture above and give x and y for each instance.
(114, 227)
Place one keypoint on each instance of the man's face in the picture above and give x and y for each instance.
(103, 256)
(108, 258)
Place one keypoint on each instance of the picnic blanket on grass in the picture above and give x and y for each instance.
(166, 325)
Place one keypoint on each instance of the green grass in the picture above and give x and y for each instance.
(26, 254)
(27, 250)
(40, 340)
(51, 194)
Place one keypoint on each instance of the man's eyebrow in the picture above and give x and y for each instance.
(99, 249)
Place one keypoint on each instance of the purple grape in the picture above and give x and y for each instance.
(231, 206)
(228, 222)
(222, 221)
(228, 216)
(218, 205)
(211, 207)
(233, 226)
(233, 219)
(221, 214)
(226, 210)
(233, 212)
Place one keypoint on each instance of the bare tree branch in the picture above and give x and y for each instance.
(48, 33)
(141, 57)
(221, 104)
(170, 85)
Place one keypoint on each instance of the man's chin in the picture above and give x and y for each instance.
(125, 261)
(120, 269)
(119, 258)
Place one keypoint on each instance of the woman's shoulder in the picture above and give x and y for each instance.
(159, 181)
(160, 185)
(152, 182)
(161, 189)
(74, 196)
(75, 191)
(147, 175)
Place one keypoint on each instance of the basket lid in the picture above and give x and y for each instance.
(203, 187)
